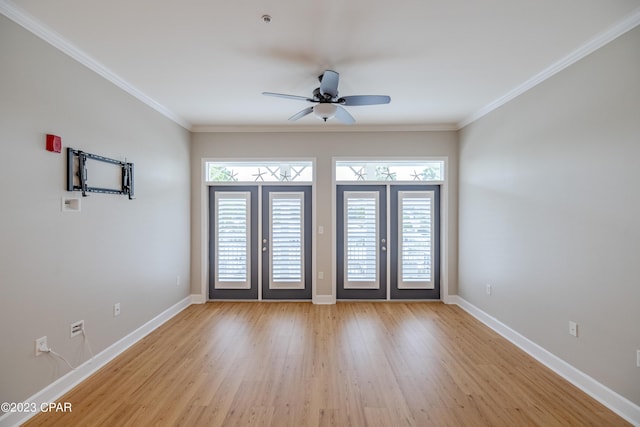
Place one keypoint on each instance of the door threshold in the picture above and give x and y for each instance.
(389, 300)
(262, 300)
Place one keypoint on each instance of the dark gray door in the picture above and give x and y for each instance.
(361, 242)
(415, 242)
(233, 242)
(410, 248)
(286, 242)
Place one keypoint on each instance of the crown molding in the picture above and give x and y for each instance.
(23, 19)
(601, 39)
(11, 11)
(437, 127)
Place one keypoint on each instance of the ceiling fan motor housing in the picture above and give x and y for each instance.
(320, 97)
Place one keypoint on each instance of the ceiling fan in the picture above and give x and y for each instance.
(328, 104)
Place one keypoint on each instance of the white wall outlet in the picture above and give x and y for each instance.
(573, 328)
(320, 229)
(116, 309)
(638, 358)
(488, 289)
(70, 204)
(76, 328)
(320, 275)
(41, 346)
(178, 281)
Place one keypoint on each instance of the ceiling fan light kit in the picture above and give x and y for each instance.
(328, 104)
(325, 111)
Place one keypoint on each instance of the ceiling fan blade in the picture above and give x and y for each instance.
(344, 116)
(329, 83)
(282, 95)
(301, 114)
(364, 100)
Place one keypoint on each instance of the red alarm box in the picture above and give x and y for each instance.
(54, 143)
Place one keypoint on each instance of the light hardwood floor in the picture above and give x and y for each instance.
(349, 364)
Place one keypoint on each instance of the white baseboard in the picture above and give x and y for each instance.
(65, 383)
(450, 299)
(324, 299)
(612, 400)
(198, 299)
(618, 404)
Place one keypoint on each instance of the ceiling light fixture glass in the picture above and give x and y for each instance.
(325, 111)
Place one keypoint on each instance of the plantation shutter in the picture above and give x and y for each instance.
(232, 234)
(361, 219)
(287, 240)
(415, 240)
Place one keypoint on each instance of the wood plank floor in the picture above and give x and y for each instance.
(349, 364)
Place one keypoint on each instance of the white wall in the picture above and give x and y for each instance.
(549, 214)
(55, 267)
(322, 146)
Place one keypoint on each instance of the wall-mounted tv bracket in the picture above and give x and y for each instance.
(81, 174)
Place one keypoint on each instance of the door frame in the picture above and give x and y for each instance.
(206, 232)
(444, 224)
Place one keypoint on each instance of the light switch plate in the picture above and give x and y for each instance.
(573, 328)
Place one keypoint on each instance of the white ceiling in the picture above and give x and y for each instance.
(444, 63)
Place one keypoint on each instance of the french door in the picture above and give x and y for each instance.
(286, 242)
(255, 225)
(406, 244)
(362, 242)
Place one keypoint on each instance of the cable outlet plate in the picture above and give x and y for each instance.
(41, 345)
(76, 328)
(116, 309)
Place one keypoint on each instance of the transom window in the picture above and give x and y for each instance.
(259, 171)
(385, 170)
